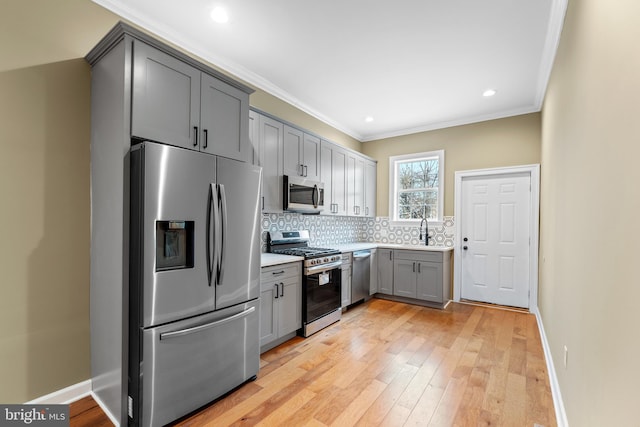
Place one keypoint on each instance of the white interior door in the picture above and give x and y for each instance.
(495, 238)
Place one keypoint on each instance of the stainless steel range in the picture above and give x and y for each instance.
(321, 278)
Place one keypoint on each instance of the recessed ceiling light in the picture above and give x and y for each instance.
(219, 15)
(489, 92)
(368, 119)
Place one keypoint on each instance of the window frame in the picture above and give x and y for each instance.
(393, 188)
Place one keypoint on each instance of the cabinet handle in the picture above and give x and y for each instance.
(195, 136)
(276, 285)
(366, 210)
(390, 256)
(281, 289)
(275, 273)
(301, 173)
(206, 137)
(418, 267)
(304, 168)
(414, 267)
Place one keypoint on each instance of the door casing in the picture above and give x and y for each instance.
(534, 231)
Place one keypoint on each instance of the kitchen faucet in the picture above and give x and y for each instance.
(426, 233)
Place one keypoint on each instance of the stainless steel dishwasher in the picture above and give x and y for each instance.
(360, 276)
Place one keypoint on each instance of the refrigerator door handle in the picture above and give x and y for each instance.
(195, 329)
(211, 216)
(222, 224)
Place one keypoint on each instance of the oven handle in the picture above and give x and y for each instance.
(322, 268)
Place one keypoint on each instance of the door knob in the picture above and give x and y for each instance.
(465, 239)
(465, 248)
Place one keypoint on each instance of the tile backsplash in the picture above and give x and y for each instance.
(328, 230)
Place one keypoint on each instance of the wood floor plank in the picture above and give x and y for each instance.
(391, 364)
(389, 396)
(359, 405)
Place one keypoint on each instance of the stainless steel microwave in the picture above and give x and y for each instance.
(303, 195)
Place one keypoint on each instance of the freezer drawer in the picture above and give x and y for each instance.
(189, 363)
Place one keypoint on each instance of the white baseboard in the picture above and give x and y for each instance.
(561, 414)
(71, 394)
(113, 419)
(65, 395)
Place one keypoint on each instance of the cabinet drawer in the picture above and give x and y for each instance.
(279, 272)
(418, 255)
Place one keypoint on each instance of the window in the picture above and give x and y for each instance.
(416, 187)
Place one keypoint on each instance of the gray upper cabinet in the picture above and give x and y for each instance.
(355, 185)
(333, 175)
(175, 103)
(224, 118)
(311, 157)
(254, 138)
(370, 177)
(165, 98)
(301, 154)
(266, 135)
(271, 136)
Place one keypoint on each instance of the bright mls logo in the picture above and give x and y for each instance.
(34, 415)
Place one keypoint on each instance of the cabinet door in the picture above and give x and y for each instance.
(359, 183)
(339, 182)
(404, 278)
(293, 146)
(373, 278)
(355, 185)
(254, 139)
(165, 98)
(310, 158)
(429, 284)
(224, 118)
(290, 306)
(346, 286)
(370, 169)
(351, 185)
(268, 313)
(326, 176)
(385, 271)
(271, 138)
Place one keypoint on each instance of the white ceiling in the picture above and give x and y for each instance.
(412, 65)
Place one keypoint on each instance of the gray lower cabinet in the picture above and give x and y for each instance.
(373, 278)
(404, 278)
(176, 103)
(421, 275)
(385, 271)
(280, 303)
(266, 135)
(346, 279)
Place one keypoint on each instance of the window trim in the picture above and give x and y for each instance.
(393, 191)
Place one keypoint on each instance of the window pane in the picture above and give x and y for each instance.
(418, 174)
(418, 204)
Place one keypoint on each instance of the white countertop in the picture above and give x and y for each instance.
(351, 247)
(269, 259)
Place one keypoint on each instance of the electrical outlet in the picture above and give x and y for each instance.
(566, 356)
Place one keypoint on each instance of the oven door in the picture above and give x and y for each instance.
(322, 292)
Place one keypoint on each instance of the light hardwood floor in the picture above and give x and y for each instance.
(393, 364)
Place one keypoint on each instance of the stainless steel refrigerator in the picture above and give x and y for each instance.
(194, 280)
